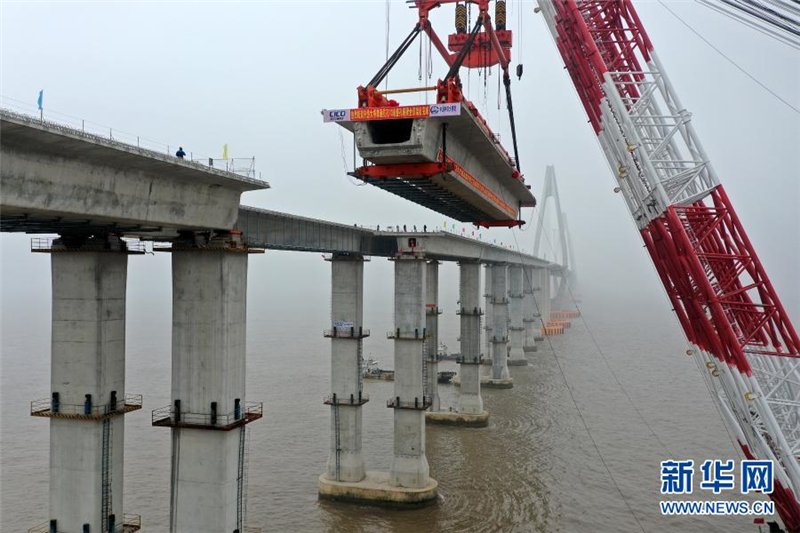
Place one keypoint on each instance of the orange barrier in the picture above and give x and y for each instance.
(558, 323)
(564, 314)
(548, 331)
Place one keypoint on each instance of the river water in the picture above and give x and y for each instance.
(534, 469)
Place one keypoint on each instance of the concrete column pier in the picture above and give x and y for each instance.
(500, 377)
(410, 465)
(408, 482)
(347, 333)
(530, 320)
(487, 319)
(88, 397)
(432, 313)
(539, 275)
(516, 354)
(469, 409)
(545, 296)
(209, 412)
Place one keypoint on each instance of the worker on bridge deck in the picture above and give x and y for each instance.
(180, 154)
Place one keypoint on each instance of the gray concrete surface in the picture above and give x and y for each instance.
(516, 328)
(409, 466)
(209, 301)
(345, 462)
(432, 332)
(88, 357)
(56, 177)
(530, 318)
(469, 399)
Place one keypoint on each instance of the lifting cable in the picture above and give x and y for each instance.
(395, 57)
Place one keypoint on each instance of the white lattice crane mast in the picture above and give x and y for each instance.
(718, 288)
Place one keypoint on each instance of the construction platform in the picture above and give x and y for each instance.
(452, 418)
(441, 156)
(375, 489)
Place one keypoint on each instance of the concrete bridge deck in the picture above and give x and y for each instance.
(59, 178)
(281, 231)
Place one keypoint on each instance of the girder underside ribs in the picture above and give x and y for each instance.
(425, 192)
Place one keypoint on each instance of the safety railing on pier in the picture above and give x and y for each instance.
(53, 408)
(333, 399)
(169, 416)
(346, 333)
(416, 403)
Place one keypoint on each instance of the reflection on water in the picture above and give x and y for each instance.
(534, 469)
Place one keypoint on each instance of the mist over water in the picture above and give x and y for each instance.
(534, 469)
(208, 74)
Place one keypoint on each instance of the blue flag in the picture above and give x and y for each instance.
(41, 99)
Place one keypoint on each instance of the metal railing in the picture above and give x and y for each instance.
(167, 416)
(346, 333)
(53, 408)
(46, 244)
(417, 334)
(116, 138)
(353, 399)
(417, 403)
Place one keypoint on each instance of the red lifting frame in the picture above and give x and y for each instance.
(719, 289)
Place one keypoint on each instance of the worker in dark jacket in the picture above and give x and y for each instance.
(180, 153)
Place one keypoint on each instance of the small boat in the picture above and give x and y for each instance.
(444, 355)
(370, 370)
(446, 376)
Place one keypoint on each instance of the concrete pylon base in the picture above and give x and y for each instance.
(374, 489)
(452, 418)
(499, 383)
(529, 349)
(517, 362)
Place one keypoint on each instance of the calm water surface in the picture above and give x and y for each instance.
(534, 469)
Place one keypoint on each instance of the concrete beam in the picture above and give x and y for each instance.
(58, 175)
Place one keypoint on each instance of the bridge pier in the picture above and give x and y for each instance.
(500, 377)
(530, 320)
(347, 333)
(469, 409)
(209, 413)
(87, 429)
(408, 482)
(516, 355)
(544, 294)
(410, 465)
(487, 318)
(432, 312)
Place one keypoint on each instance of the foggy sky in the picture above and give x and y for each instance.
(256, 74)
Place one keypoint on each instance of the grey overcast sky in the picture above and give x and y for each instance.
(255, 75)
